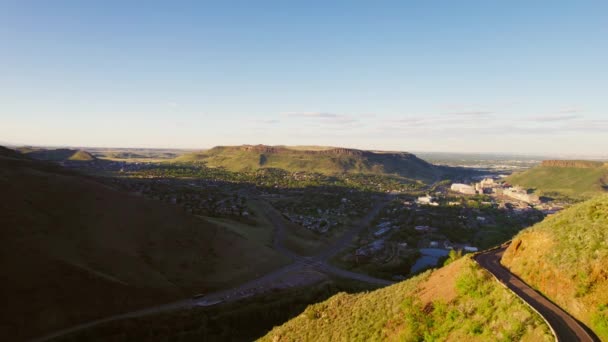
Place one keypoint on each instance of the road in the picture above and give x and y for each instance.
(566, 328)
(300, 272)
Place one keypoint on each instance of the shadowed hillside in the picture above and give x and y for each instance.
(459, 302)
(75, 250)
(58, 155)
(570, 178)
(565, 257)
(326, 161)
(7, 152)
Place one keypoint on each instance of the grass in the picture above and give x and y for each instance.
(576, 183)
(455, 303)
(75, 250)
(81, 156)
(565, 257)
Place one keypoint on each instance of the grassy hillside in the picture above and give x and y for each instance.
(326, 161)
(57, 155)
(81, 156)
(455, 303)
(573, 179)
(566, 258)
(74, 250)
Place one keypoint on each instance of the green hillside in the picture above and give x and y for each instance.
(74, 250)
(459, 302)
(565, 257)
(574, 179)
(327, 161)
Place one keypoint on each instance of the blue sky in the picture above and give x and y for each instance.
(477, 76)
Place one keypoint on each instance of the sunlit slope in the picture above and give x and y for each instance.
(459, 302)
(566, 258)
(326, 161)
(75, 250)
(576, 179)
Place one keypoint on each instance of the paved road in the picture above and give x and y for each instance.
(565, 327)
(300, 265)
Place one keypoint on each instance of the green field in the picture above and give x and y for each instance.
(572, 182)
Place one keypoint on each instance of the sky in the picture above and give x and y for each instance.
(454, 76)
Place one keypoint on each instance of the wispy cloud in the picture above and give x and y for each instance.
(570, 110)
(555, 118)
(267, 121)
(318, 115)
(472, 113)
(323, 117)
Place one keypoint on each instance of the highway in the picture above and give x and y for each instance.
(565, 327)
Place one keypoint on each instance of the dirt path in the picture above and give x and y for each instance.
(566, 328)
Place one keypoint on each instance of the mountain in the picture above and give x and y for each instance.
(74, 250)
(459, 302)
(578, 179)
(565, 257)
(315, 159)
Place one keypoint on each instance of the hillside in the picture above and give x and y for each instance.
(57, 155)
(565, 257)
(74, 250)
(7, 152)
(455, 303)
(570, 178)
(81, 155)
(326, 161)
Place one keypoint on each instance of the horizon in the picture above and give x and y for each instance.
(471, 77)
(600, 157)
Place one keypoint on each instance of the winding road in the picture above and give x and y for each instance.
(565, 327)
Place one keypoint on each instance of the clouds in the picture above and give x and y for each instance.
(322, 118)
(556, 118)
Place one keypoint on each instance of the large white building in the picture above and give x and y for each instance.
(463, 189)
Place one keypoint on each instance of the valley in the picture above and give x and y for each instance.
(331, 230)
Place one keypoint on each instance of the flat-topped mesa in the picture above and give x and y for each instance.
(339, 151)
(582, 164)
